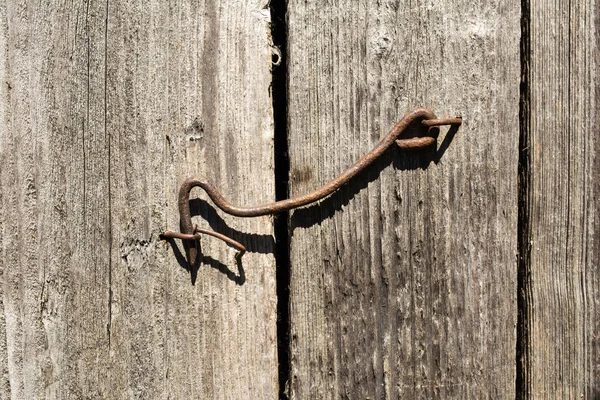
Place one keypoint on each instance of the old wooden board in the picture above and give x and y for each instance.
(106, 107)
(404, 284)
(561, 281)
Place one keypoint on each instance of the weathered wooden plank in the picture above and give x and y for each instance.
(106, 108)
(404, 284)
(562, 290)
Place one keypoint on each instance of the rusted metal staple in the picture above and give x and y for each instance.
(190, 233)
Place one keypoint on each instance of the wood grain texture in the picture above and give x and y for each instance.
(106, 108)
(562, 355)
(403, 285)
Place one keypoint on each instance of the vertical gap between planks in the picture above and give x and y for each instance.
(282, 168)
(524, 245)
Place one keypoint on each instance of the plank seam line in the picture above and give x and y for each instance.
(278, 9)
(523, 225)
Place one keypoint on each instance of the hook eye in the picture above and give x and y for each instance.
(426, 141)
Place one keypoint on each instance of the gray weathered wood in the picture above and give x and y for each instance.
(562, 354)
(105, 108)
(408, 288)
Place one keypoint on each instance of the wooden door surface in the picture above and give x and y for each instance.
(467, 270)
(559, 350)
(106, 108)
(404, 285)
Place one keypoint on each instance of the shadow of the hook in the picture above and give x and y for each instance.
(445, 143)
(401, 160)
(254, 243)
(239, 278)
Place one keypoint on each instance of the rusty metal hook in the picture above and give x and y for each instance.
(190, 233)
